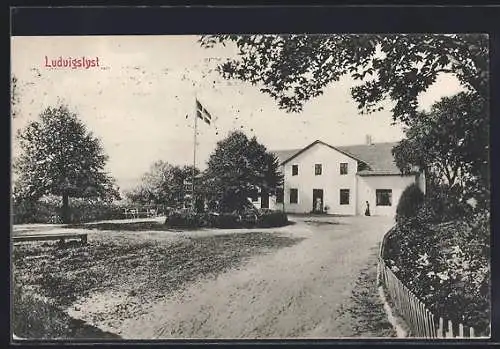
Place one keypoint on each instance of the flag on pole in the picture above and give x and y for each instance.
(202, 113)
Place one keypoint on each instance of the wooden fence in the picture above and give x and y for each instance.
(140, 212)
(421, 322)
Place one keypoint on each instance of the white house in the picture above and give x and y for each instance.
(342, 178)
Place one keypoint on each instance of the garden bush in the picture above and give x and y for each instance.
(247, 219)
(269, 219)
(183, 219)
(81, 210)
(446, 265)
(227, 220)
(443, 204)
(410, 201)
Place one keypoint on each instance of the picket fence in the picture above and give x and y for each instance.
(421, 322)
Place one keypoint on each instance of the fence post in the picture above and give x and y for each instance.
(460, 330)
(423, 313)
(417, 314)
(423, 317)
(414, 315)
(430, 322)
(441, 328)
(450, 329)
(471, 332)
(433, 324)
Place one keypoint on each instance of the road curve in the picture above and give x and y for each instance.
(297, 292)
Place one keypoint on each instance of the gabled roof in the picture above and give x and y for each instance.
(284, 155)
(287, 155)
(378, 156)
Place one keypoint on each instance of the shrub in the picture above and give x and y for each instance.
(263, 218)
(81, 210)
(272, 219)
(443, 204)
(28, 211)
(227, 220)
(446, 265)
(410, 201)
(180, 219)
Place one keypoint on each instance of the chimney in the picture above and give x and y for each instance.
(369, 140)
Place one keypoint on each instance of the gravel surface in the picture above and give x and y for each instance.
(313, 279)
(305, 291)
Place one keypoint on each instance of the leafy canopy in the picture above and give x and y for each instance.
(296, 68)
(60, 157)
(162, 184)
(240, 168)
(451, 142)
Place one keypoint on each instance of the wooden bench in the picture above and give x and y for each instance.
(62, 237)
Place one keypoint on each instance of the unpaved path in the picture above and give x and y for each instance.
(304, 291)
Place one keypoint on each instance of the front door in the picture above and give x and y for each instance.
(317, 200)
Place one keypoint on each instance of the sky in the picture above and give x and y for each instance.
(139, 101)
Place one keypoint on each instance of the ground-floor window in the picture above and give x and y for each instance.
(384, 197)
(344, 196)
(294, 196)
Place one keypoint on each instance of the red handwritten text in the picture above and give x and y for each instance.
(71, 62)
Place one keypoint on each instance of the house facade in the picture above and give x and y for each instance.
(341, 180)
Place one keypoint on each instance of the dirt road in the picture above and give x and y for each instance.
(322, 287)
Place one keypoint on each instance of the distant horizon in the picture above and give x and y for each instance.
(139, 101)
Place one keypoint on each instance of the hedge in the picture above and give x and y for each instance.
(80, 211)
(259, 219)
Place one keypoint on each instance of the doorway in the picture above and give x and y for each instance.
(317, 201)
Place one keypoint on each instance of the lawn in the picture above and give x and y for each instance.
(52, 279)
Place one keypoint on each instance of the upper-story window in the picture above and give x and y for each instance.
(318, 169)
(295, 170)
(343, 168)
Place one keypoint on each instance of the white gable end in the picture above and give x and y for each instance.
(328, 184)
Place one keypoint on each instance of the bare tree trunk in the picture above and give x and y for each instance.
(65, 208)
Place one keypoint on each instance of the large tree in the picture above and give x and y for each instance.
(295, 68)
(240, 168)
(451, 143)
(164, 184)
(61, 157)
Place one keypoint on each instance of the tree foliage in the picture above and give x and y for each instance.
(60, 157)
(240, 168)
(295, 68)
(451, 142)
(162, 184)
(410, 201)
